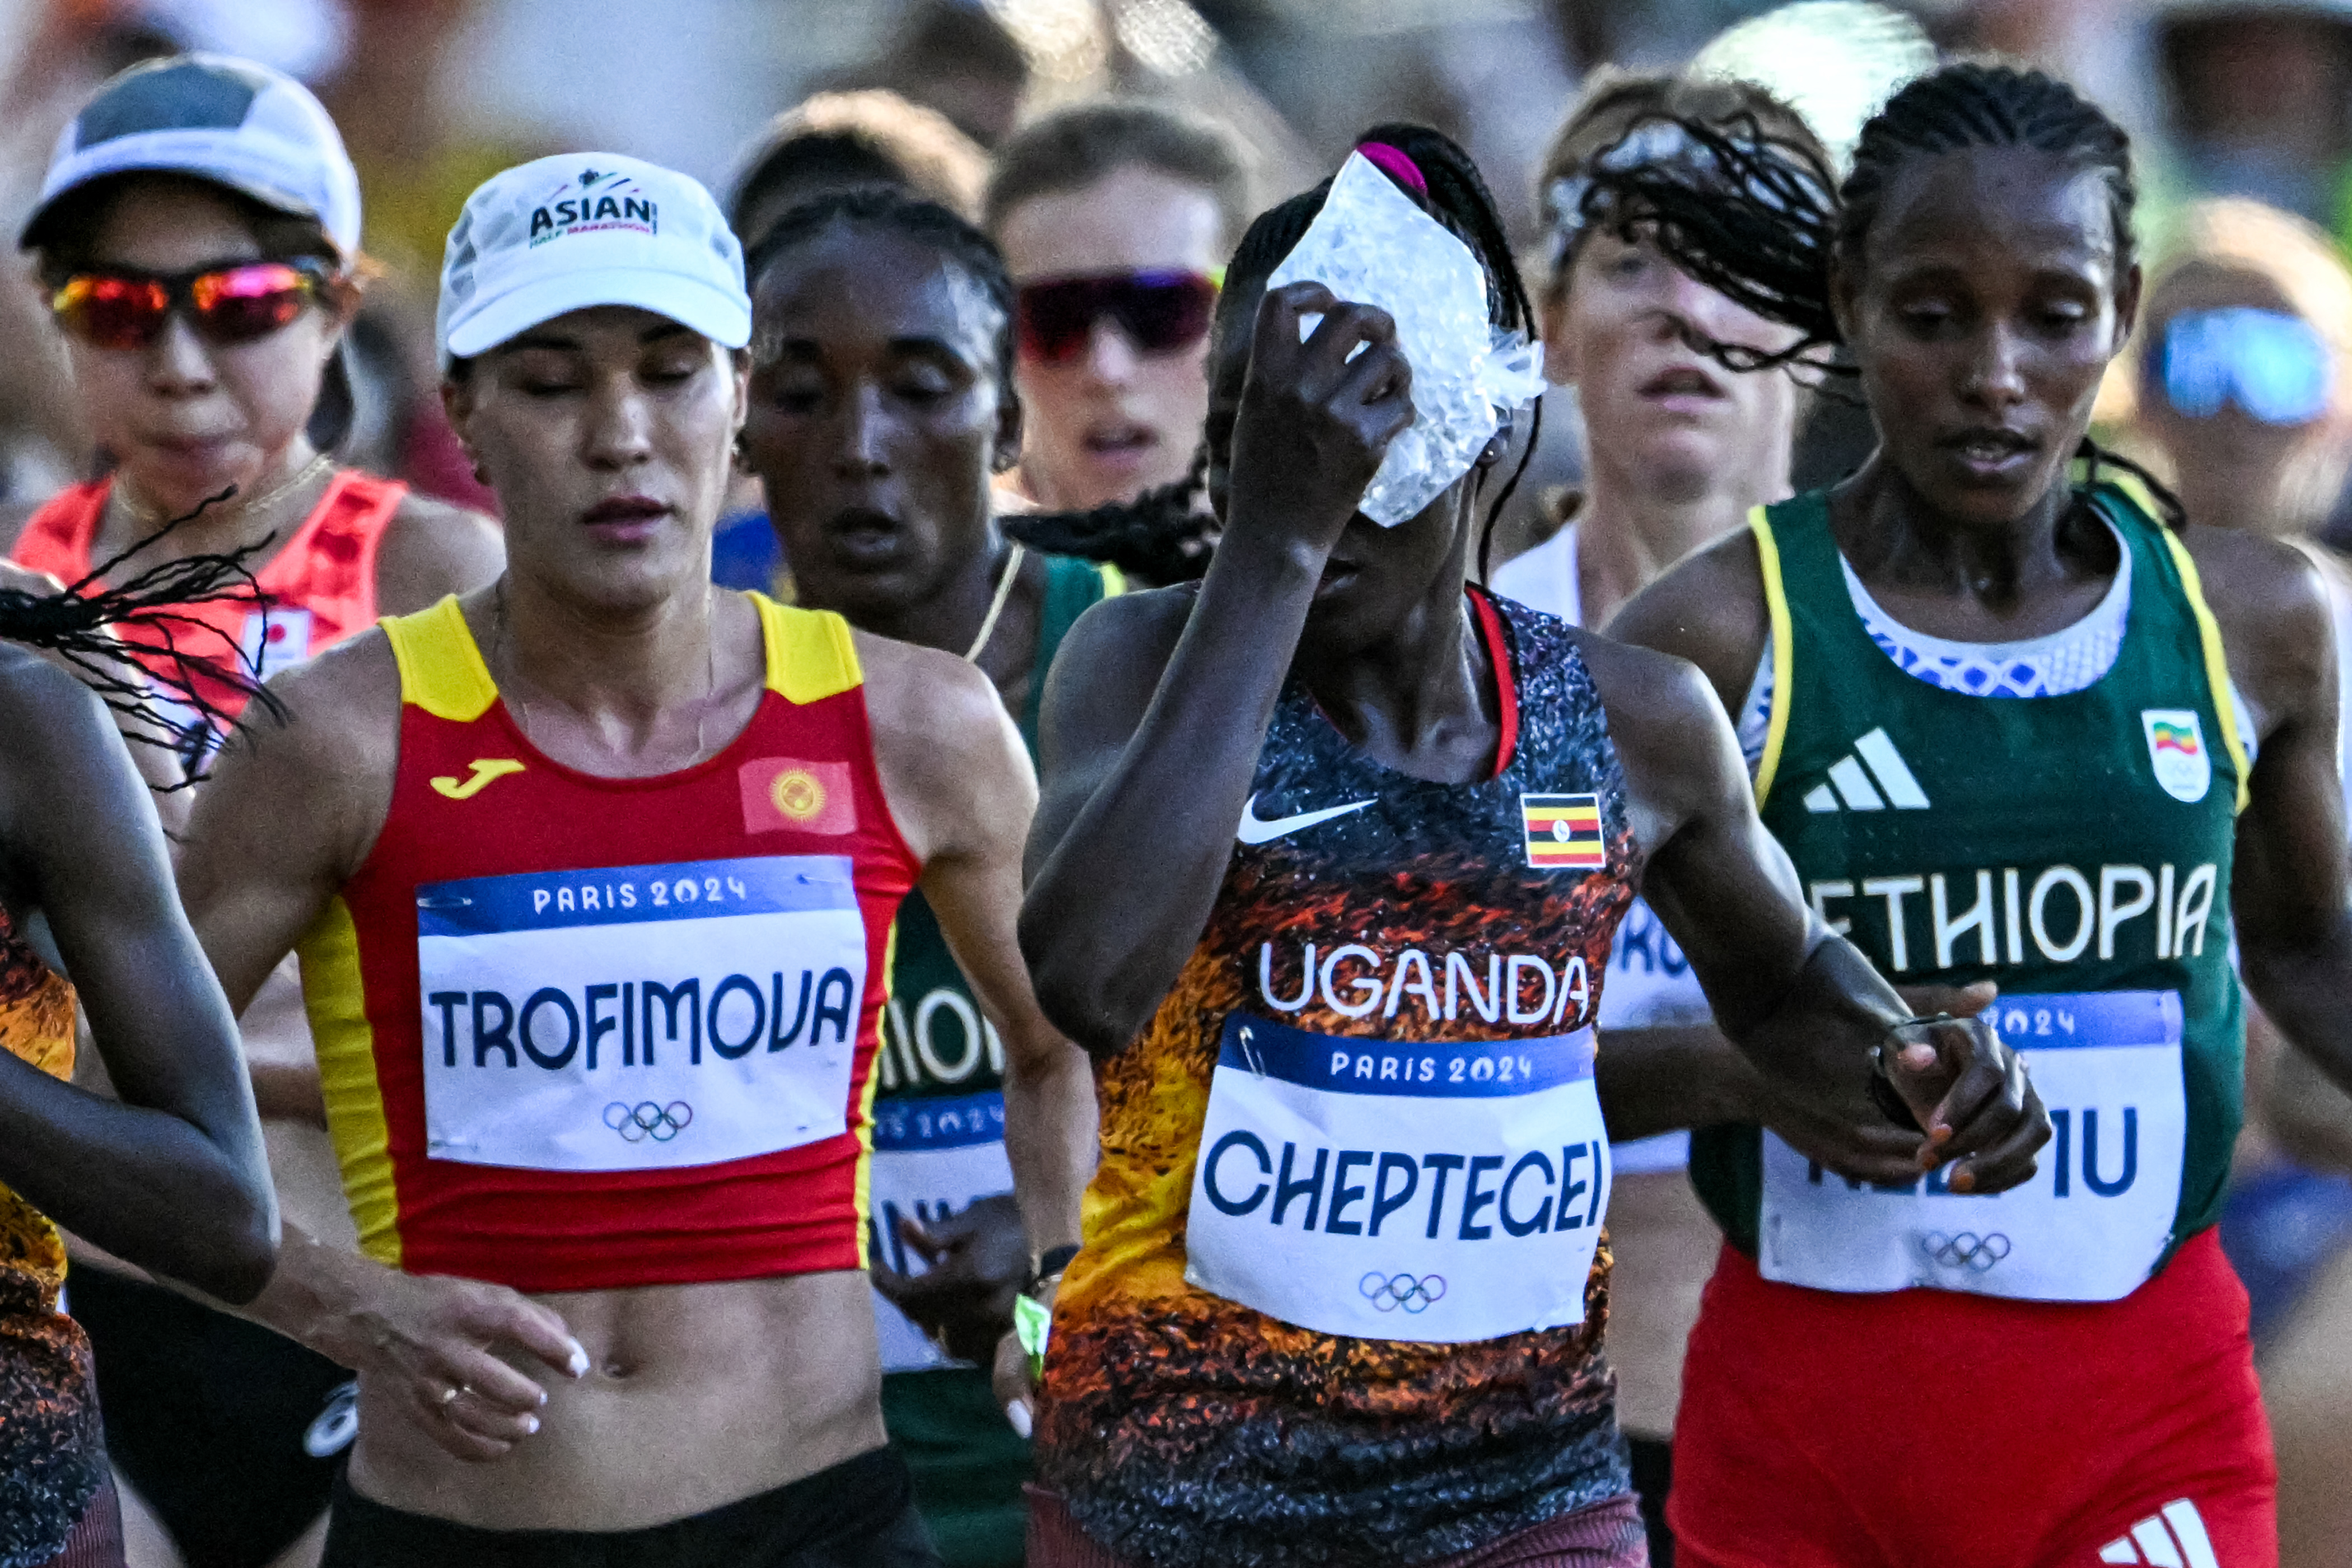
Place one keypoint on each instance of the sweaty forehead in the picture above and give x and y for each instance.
(863, 286)
(1982, 202)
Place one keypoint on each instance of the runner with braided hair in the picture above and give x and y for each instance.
(2006, 724)
(170, 1174)
(1328, 860)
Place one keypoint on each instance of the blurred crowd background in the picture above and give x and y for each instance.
(2250, 98)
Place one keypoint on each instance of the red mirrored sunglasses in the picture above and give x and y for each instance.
(1160, 312)
(225, 305)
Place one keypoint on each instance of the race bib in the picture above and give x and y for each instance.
(1389, 1189)
(932, 1158)
(640, 1018)
(2088, 1226)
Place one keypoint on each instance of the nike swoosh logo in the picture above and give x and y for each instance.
(1256, 830)
(486, 769)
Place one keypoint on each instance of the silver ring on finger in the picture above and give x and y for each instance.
(449, 1395)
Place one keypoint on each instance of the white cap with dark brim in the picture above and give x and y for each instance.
(230, 122)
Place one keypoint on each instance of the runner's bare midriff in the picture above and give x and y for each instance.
(698, 1395)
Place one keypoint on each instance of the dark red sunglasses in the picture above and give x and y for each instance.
(225, 305)
(1160, 312)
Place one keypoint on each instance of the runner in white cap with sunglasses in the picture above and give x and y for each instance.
(592, 874)
(197, 240)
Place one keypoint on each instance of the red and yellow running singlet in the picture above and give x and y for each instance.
(317, 591)
(580, 1033)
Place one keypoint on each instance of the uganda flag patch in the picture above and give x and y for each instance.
(1564, 832)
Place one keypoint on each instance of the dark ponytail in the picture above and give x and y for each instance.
(92, 627)
(1752, 214)
(1165, 535)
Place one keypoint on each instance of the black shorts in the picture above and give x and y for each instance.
(232, 1433)
(858, 1514)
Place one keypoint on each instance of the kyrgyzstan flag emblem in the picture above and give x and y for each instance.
(1564, 832)
(784, 793)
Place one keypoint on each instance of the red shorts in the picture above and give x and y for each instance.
(1925, 1429)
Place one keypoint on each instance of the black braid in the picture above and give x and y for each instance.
(1164, 535)
(1751, 215)
(2094, 457)
(895, 212)
(82, 626)
(1459, 199)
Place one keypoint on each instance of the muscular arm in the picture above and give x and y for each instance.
(171, 1176)
(1154, 731)
(290, 811)
(1803, 1007)
(960, 784)
(2288, 891)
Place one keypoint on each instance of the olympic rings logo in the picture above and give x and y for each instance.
(1966, 1250)
(644, 1120)
(1387, 1293)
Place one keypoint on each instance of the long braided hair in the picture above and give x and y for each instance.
(1757, 216)
(85, 626)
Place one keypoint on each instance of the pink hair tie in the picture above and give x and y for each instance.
(1396, 165)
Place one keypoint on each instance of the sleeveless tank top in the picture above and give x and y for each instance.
(1651, 982)
(2076, 849)
(52, 1452)
(317, 591)
(1340, 1298)
(939, 1128)
(938, 1147)
(580, 1033)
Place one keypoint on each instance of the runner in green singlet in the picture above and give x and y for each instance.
(2010, 727)
(881, 408)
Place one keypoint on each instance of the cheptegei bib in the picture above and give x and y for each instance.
(2091, 1223)
(1391, 1190)
(640, 1018)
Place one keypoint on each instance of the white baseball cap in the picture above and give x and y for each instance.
(214, 117)
(565, 233)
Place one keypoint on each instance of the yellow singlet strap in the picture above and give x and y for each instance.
(1784, 650)
(810, 655)
(441, 670)
(2217, 661)
(1114, 580)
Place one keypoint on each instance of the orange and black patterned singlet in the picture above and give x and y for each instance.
(1410, 968)
(52, 1451)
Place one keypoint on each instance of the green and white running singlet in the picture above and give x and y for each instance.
(2073, 848)
(939, 1144)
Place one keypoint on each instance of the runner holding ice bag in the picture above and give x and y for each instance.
(1329, 856)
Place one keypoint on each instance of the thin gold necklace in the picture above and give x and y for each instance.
(996, 605)
(510, 689)
(155, 516)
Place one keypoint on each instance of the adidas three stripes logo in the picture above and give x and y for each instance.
(1875, 757)
(2173, 1537)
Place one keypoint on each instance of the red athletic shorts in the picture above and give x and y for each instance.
(1925, 1429)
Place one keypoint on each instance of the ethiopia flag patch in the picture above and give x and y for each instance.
(1563, 832)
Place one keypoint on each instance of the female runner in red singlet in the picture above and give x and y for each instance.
(198, 238)
(202, 272)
